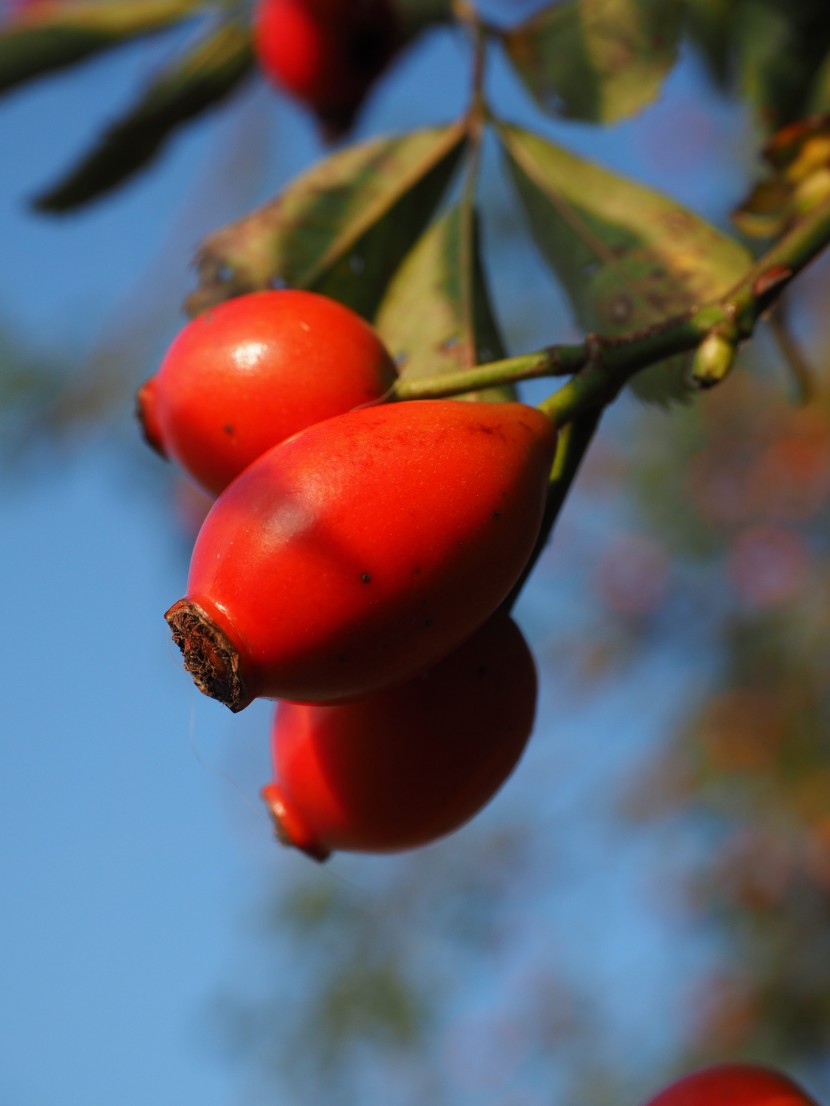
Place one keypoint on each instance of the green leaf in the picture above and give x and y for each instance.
(341, 228)
(598, 60)
(196, 81)
(436, 316)
(711, 26)
(50, 37)
(781, 46)
(774, 53)
(627, 256)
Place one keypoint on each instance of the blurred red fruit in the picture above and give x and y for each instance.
(411, 763)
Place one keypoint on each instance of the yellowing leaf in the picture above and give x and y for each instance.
(49, 37)
(627, 256)
(341, 228)
(799, 161)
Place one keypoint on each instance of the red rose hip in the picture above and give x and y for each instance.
(735, 1084)
(363, 550)
(254, 370)
(326, 53)
(409, 764)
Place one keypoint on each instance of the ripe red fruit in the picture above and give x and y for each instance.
(409, 764)
(326, 53)
(733, 1084)
(254, 370)
(363, 550)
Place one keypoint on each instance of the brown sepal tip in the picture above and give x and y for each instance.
(280, 821)
(209, 656)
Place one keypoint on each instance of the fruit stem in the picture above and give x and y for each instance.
(549, 361)
(803, 376)
(571, 448)
(602, 364)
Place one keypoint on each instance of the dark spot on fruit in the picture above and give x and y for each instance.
(365, 578)
(341, 658)
(427, 622)
(496, 515)
(229, 430)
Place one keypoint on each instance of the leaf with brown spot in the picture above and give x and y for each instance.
(342, 228)
(598, 60)
(436, 316)
(627, 256)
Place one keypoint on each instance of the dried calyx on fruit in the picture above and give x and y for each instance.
(408, 765)
(363, 550)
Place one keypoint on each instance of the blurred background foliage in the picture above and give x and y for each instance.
(690, 657)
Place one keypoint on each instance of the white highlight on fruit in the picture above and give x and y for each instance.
(248, 355)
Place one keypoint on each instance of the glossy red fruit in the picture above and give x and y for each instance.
(363, 550)
(409, 764)
(733, 1084)
(254, 370)
(326, 53)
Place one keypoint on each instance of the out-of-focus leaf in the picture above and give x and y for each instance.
(765, 211)
(28, 384)
(47, 37)
(599, 60)
(800, 148)
(342, 228)
(799, 159)
(198, 80)
(711, 26)
(417, 15)
(819, 100)
(627, 256)
(436, 316)
(781, 46)
(772, 52)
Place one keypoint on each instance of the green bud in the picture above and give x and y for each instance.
(713, 359)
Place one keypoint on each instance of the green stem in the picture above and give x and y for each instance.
(551, 361)
(603, 364)
(477, 109)
(804, 381)
(574, 440)
(475, 135)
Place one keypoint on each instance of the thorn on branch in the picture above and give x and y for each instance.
(767, 287)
